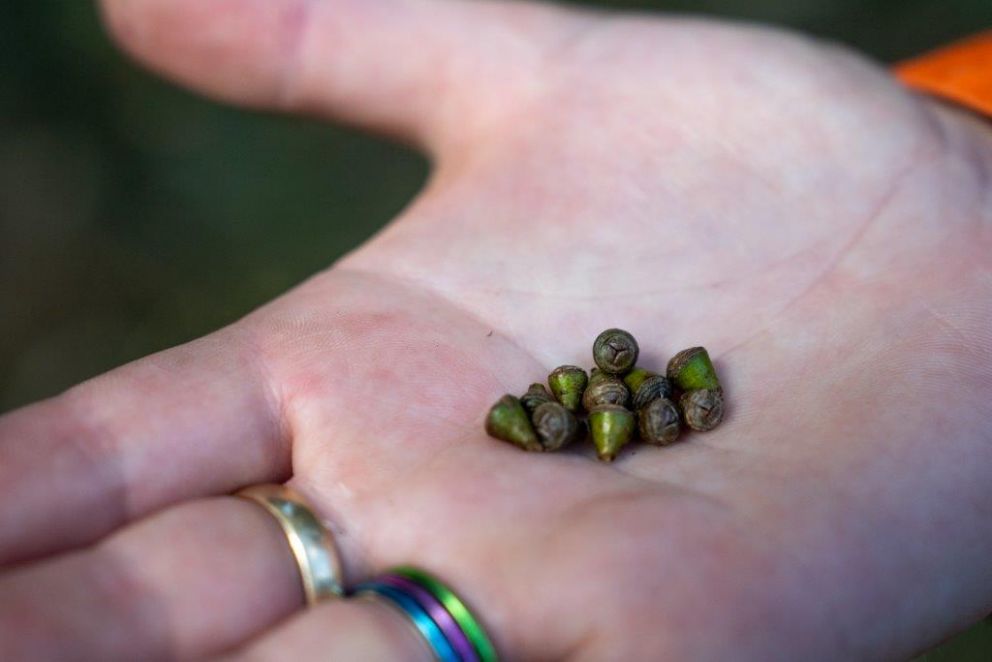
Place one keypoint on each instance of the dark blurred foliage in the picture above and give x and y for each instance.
(134, 216)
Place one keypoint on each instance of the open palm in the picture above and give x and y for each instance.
(826, 235)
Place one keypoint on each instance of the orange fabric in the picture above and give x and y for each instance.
(961, 73)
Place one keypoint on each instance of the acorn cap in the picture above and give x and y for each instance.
(615, 351)
(605, 390)
(535, 396)
(658, 422)
(556, 426)
(702, 409)
(612, 428)
(508, 421)
(652, 388)
(567, 383)
(691, 369)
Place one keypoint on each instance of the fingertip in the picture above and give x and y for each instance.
(123, 21)
(417, 70)
(112, 14)
(233, 50)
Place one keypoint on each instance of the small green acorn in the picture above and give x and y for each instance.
(658, 422)
(691, 369)
(508, 421)
(615, 351)
(535, 396)
(568, 382)
(605, 390)
(556, 426)
(702, 409)
(612, 428)
(652, 388)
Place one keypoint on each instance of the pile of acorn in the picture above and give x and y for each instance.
(619, 399)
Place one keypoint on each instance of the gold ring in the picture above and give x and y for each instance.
(309, 539)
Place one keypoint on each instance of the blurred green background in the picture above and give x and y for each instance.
(134, 216)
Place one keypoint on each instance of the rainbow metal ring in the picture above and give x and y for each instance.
(450, 629)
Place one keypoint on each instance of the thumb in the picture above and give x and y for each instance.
(419, 69)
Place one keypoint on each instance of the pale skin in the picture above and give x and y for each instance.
(825, 233)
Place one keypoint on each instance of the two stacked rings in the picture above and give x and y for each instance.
(439, 616)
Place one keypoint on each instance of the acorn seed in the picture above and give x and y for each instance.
(615, 351)
(658, 422)
(612, 428)
(691, 369)
(556, 426)
(702, 408)
(605, 390)
(567, 383)
(508, 421)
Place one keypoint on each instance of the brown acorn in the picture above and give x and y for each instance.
(568, 382)
(535, 396)
(556, 426)
(702, 409)
(658, 422)
(508, 421)
(605, 390)
(612, 427)
(615, 351)
(691, 369)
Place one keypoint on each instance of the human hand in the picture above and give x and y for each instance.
(825, 234)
